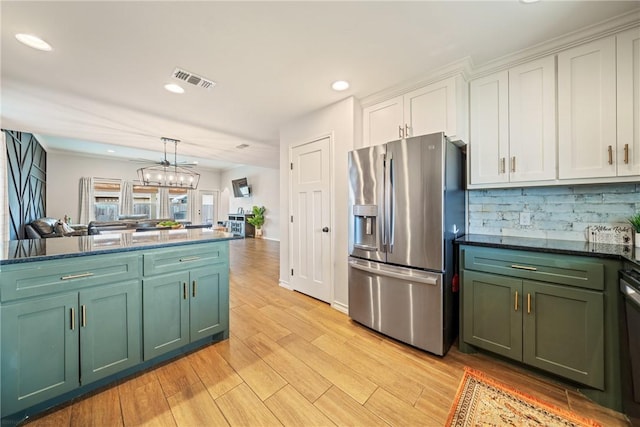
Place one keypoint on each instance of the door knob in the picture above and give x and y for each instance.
(325, 229)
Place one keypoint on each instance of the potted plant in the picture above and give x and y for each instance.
(257, 220)
(635, 223)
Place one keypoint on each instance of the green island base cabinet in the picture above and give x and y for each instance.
(555, 313)
(75, 324)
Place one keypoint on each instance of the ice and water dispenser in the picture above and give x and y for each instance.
(365, 219)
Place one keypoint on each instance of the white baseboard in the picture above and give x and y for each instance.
(285, 285)
(271, 238)
(340, 307)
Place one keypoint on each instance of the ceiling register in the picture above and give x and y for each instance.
(169, 175)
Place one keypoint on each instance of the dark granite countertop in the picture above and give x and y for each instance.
(18, 251)
(568, 247)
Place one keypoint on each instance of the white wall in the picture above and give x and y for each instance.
(4, 201)
(265, 191)
(340, 121)
(64, 171)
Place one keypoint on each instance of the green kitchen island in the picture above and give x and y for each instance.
(78, 313)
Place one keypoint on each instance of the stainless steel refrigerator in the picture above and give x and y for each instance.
(406, 208)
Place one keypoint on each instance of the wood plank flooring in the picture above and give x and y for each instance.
(294, 361)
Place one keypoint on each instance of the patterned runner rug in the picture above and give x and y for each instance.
(483, 401)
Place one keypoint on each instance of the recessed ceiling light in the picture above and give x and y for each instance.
(529, 1)
(34, 42)
(111, 151)
(242, 146)
(172, 87)
(340, 85)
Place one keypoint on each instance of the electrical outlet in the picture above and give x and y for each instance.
(525, 218)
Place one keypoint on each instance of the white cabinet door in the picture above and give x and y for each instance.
(532, 121)
(587, 110)
(628, 149)
(489, 129)
(382, 122)
(431, 109)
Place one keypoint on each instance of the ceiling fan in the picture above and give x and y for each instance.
(164, 161)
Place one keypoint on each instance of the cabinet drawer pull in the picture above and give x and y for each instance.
(513, 164)
(528, 303)
(84, 316)
(523, 267)
(626, 154)
(610, 150)
(194, 288)
(406, 131)
(400, 133)
(189, 258)
(76, 276)
(515, 303)
(73, 319)
(503, 165)
(184, 290)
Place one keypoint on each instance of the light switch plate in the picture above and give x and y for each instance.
(525, 218)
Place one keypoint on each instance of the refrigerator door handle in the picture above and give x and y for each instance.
(382, 225)
(388, 202)
(395, 275)
(392, 202)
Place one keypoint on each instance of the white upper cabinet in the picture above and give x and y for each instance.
(513, 125)
(383, 122)
(587, 110)
(628, 100)
(489, 129)
(438, 107)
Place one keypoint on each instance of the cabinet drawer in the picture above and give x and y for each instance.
(162, 261)
(47, 277)
(544, 267)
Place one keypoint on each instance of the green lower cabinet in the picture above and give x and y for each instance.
(40, 350)
(491, 319)
(563, 332)
(53, 345)
(165, 309)
(183, 307)
(110, 332)
(209, 302)
(557, 328)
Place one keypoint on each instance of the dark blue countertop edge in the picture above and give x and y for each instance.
(24, 251)
(567, 247)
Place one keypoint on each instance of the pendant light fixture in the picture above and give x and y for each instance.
(169, 175)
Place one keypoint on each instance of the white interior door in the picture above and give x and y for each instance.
(310, 220)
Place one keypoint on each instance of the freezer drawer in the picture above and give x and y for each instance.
(403, 303)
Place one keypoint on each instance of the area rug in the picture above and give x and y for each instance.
(483, 401)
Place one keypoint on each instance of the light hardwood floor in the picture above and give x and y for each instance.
(292, 360)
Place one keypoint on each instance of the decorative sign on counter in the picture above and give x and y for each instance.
(616, 234)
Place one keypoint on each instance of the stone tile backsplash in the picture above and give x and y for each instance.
(556, 212)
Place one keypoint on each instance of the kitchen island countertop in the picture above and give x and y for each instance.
(19, 251)
(568, 247)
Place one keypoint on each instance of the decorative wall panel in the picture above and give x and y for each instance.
(26, 181)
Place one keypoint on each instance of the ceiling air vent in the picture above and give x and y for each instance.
(193, 79)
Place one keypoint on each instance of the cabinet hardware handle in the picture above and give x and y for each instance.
(626, 154)
(184, 290)
(76, 276)
(515, 303)
(523, 267)
(502, 165)
(194, 288)
(400, 132)
(513, 164)
(84, 316)
(528, 303)
(189, 258)
(73, 319)
(610, 150)
(406, 130)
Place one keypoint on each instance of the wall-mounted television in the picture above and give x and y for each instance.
(241, 187)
